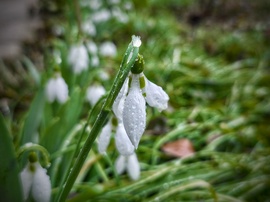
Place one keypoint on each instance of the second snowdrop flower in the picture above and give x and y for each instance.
(130, 164)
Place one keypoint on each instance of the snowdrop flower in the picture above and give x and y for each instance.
(94, 93)
(101, 16)
(78, 58)
(114, 1)
(95, 4)
(89, 28)
(129, 163)
(119, 15)
(94, 60)
(57, 89)
(35, 181)
(133, 104)
(108, 49)
(104, 138)
(92, 48)
(128, 5)
(103, 75)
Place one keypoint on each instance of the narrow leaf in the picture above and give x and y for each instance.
(10, 187)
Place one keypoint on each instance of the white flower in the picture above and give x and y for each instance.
(94, 60)
(129, 163)
(132, 107)
(103, 75)
(78, 58)
(94, 93)
(89, 28)
(108, 49)
(128, 5)
(35, 181)
(95, 4)
(57, 89)
(114, 1)
(104, 138)
(92, 47)
(101, 16)
(119, 15)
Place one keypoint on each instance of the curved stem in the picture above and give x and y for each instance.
(35, 147)
(127, 62)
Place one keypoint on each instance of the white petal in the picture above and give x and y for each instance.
(41, 189)
(123, 144)
(120, 164)
(94, 93)
(133, 167)
(27, 179)
(50, 90)
(134, 115)
(104, 138)
(156, 96)
(61, 89)
(118, 104)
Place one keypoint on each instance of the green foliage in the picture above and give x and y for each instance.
(10, 185)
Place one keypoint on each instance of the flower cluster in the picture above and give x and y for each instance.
(130, 104)
(129, 108)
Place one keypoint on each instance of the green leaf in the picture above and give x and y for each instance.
(10, 187)
(33, 119)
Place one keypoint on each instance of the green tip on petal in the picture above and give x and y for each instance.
(138, 67)
(142, 82)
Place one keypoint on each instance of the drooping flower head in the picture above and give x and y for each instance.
(57, 89)
(94, 93)
(35, 181)
(108, 49)
(78, 58)
(130, 164)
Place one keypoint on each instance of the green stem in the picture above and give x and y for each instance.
(127, 62)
